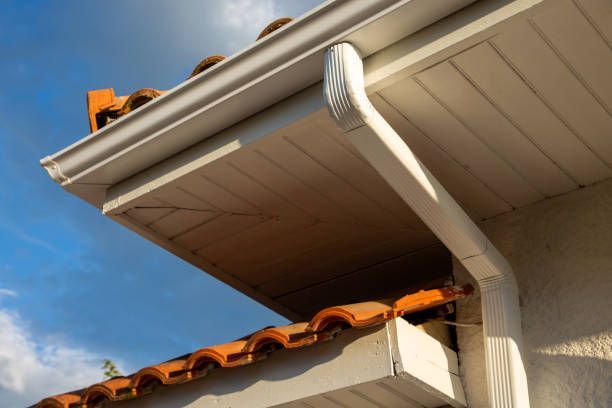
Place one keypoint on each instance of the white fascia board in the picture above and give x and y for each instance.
(396, 354)
(263, 74)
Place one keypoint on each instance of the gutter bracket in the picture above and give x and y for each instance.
(386, 151)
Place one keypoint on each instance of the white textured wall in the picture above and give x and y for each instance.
(561, 252)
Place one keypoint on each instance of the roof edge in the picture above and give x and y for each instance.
(160, 129)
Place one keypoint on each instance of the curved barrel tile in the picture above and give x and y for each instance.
(68, 400)
(112, 390)
(426, 299)
(254, 347)
(206, 63)
(273, 26)
(355, 315)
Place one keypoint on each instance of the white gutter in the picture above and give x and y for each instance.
(384, 149)
(268, 71)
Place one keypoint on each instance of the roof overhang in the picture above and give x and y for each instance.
(270, 70)
(392, 365)
(241, 172)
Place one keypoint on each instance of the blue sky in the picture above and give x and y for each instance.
(75, 287)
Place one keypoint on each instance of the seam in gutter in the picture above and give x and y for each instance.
(385, 150)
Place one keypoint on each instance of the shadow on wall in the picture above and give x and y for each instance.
(570, 381)
(560, 252)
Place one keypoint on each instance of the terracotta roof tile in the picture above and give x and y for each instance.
(103, 107)
(61, 401)
(273, 26)
(255, 347)
(426, 299)
(206, 63)
(114, 389)
(170, 372)
(356, 315)
(290, 336)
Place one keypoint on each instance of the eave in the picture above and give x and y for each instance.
(268, 71)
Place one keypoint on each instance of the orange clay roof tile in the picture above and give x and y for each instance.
(67, 400)
(114, 389)
(426, 299)
(171, 372)
(356, 315)
(290, 336)
(254, 347)
(206, 63)
(225, 355)
(103, 107)
(273, 26)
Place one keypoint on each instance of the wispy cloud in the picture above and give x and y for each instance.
(7, 293)
(65, 265)
(246, 18)
(31, 369)
(240, 14)
(27, 238)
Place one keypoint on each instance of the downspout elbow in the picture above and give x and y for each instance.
(385, 150)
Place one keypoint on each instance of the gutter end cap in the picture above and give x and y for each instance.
(54, 170)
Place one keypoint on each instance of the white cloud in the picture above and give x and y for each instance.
(242, 14)
(245, 19)
(7, 293)
(31, 370)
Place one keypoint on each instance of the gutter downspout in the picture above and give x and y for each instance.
(384, 149)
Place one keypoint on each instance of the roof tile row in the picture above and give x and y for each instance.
(104, 107)
(322, 327)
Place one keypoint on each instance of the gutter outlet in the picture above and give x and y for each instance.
(385, 150)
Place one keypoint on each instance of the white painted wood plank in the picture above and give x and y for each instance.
(407, 273)
(599, 14)
(326, 265)
(216, 229)
(216, 195)
(581, 45)
(411, 392)
(262, 166)
(476, 198)
(454, 138)
(297, 265)
(180, 198)
(256, 242)
(241, 184)
(180, 221)
(559, 87)
(246, 261)
(361, 175)
(294, 405)
(499, 134)
(356, 206)
(350, 399)
(320, 401)
(385, 397)
(496, 79)
(335, 161)
(149, 209)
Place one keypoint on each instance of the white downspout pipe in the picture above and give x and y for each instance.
(383, 148)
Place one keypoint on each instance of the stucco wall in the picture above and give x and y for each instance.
(561, 252)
